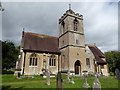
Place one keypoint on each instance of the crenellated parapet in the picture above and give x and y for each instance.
(71, 13)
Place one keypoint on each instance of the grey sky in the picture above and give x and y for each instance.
(100, 21)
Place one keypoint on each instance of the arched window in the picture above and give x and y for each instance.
(52, 60)
(88, 62)
(75, 25)
(33, 60)
(63, 26)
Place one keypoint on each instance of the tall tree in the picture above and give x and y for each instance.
(10, 54)
(113, 59)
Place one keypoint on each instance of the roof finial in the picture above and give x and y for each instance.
(23, 29)
(69, 6)
(23, 32)
(94, 44)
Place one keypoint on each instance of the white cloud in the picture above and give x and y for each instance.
(100, 21)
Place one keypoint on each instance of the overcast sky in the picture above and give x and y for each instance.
(100, 21)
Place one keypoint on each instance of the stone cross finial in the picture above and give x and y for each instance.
(69, 6)
(1, 9)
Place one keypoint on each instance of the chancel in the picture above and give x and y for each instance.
(66, 53)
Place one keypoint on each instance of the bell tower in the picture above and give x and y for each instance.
(71, 42)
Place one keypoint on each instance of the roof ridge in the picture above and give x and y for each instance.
(100, 51)
(41, 35)
(90, 45)
(96, 48)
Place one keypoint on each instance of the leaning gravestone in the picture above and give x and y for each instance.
(59, 80)
(68, 77)
(96, 84)
(117, 74)
(47, 77)
(86, 85)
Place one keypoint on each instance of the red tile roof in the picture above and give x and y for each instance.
(49, 44)
(97, 53)
(39, 42)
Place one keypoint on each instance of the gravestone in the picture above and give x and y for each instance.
(59, 80)
(47, 77)
(85, 85)
(68, 77)
(18, 75)
(117, 74)
(72, 79)
(96, 83)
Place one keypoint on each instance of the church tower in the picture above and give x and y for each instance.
(72, 43)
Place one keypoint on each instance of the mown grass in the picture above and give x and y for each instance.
(10, 81)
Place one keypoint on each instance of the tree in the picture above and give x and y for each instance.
(10, 54)
(113, 59)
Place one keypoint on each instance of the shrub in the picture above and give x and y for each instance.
(7, 72)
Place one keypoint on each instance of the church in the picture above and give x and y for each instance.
(67, 52)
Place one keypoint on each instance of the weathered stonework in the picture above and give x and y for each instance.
(73, 51)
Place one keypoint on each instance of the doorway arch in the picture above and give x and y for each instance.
(77, 66)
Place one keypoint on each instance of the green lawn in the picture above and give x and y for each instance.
(10, 81)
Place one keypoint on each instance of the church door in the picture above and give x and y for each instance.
(77, 67)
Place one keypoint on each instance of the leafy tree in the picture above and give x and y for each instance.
(10, 54)
(113, 59)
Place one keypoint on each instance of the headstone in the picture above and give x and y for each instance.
(47, 77)
(96, 83)
(18, 75)
(72, 79)
(117, 74)
(68, 77)
(59, 80)
(86, 85)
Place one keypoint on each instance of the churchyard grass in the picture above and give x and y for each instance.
(10, 81)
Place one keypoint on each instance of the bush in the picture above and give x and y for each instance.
(111, 74)
(7, 72)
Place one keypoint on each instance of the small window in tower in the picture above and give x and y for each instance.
(63, 59)
(75, 25)
(63, 26)
(76, 41)
(63, 42)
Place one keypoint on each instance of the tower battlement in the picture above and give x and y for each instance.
(70, 13)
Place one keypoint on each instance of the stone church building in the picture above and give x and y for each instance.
(68, 52)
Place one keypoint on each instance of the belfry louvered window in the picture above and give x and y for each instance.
(33, 60)
(75, 25)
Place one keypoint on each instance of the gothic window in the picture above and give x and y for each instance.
(75, 25)
(44, 61)
(33, 60)
(52, 60)
(63, 27)
(88, 62)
